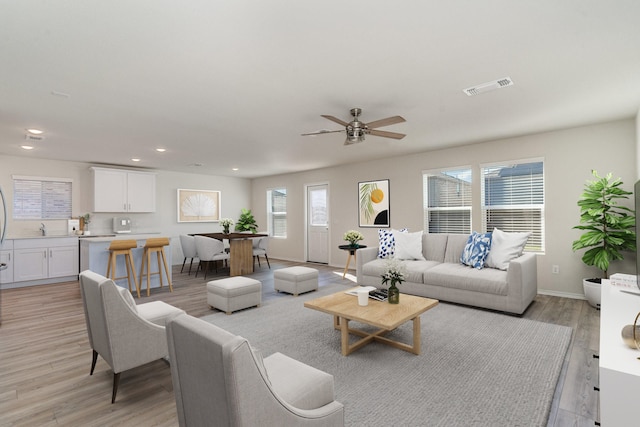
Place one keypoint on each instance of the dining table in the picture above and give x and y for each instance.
(241, 250)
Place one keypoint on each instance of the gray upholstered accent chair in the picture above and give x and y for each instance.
(126, 335)
(209, 250)
(218, 379)
(188, 244)
(260, 247)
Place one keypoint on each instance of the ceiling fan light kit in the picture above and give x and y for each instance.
(357, 130)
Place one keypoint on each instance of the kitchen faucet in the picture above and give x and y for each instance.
(43, 228)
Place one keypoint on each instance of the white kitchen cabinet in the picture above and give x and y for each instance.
(118, 190)
(46, 258)
(30, 264)
(6, 257)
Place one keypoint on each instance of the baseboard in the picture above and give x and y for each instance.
(561, 294)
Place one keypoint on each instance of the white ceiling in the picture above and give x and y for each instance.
(231, 83)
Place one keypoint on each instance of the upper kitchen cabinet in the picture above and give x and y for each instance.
(118, 190)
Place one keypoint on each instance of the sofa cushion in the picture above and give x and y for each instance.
(408, 245)
(476, 250)
(458, 276)
(505, 247)
(414, 270)
(386, 242)
(455, 245)
(434, 246)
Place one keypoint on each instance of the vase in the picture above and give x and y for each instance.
(394, 294)
(354, 245)
(225, 230)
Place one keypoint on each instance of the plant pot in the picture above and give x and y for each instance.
(592, 288)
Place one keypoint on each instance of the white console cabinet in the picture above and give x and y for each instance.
(46, 258)
(119, 190)
(619, 364)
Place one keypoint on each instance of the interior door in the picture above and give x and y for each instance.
(318, 223)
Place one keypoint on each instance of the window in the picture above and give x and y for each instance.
(513, 199)
(318, 207)
(277, 212)
(41, 198)
(447, 201)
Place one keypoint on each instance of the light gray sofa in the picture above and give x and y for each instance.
(443, 277)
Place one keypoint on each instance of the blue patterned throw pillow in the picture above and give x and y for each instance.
(386, 242)
(476, 250)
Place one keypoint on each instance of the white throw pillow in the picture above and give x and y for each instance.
(408, 245)
(504, 248)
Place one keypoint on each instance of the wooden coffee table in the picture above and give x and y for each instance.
(381, 314)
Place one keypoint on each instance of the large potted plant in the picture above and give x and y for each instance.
(246, 222)
(608, 229)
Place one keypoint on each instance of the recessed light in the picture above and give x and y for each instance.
(161, 150)
(234, 169)
(35, 131)
(27, 147)
(134, 159)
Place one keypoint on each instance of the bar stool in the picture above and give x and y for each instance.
(123, 247)
(155, 244)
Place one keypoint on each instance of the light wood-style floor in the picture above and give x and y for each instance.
(45, 357)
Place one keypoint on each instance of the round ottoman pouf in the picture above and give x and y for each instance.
(234, 293)
(295, 280)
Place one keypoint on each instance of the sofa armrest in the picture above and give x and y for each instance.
(363, 256)
(522, 280)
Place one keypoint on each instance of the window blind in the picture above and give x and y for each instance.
(41, 198)
(277, 212)
(447, 201)
(513, 200)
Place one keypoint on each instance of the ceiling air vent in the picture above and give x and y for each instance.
(489, 86)
(30, 137)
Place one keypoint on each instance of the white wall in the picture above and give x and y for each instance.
(569, 157)
(235, 196)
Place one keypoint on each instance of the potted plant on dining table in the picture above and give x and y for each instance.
(225, 223)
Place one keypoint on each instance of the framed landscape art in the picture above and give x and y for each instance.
(373, 204)
(198, 205)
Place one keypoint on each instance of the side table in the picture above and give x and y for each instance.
(352, 253)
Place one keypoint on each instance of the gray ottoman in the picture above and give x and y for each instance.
(295, 280)
(234, 293)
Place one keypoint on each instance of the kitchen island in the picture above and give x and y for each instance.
(94, 256)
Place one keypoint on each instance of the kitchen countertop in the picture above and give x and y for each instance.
(98, 238)
(104, 236)
(52, 236)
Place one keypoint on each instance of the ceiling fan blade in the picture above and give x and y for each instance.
(387, 134)
(321, 132)
(334, 119)
(386, 122)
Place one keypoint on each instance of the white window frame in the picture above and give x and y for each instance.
(532, 212)
(273, 215)
(434, 173)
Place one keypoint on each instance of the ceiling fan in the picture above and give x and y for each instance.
(356, 130)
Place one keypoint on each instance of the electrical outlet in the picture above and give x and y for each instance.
(555, 269)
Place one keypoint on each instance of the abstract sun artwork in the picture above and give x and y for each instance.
(373, 203)
(198, 206)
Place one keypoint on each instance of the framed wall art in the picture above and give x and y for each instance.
(373, 204)
(198, 205)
